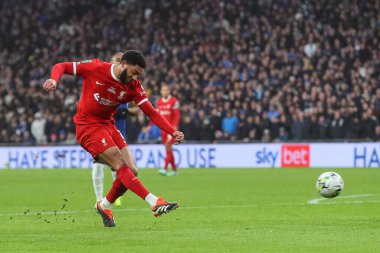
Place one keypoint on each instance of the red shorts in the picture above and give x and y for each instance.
(167, 138)
(98, 138)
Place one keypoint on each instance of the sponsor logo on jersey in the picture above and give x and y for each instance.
(104, 101)
(165, 112)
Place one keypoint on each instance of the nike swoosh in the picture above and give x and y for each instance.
(97, 82)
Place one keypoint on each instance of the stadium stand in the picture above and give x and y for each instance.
(280, 70)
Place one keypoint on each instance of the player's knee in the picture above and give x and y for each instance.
(134, 170)
(117, 160)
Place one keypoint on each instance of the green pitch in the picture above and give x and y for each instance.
(222, 210)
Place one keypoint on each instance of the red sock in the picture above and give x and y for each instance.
(131, 182)
(117, 190)
(171, 160)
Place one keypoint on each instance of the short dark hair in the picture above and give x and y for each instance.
(134, 57)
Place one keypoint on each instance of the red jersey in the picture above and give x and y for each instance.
(102, 92)
(169, 108)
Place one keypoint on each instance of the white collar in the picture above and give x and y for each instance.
(167, 99)
(113, 73)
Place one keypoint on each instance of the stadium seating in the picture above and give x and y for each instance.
(254, 71)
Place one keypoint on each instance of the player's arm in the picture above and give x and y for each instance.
(160, 121)
(71, 68)
(58, 70)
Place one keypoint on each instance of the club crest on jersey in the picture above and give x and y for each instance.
(121, 95)
(112, 90)
(104, 142)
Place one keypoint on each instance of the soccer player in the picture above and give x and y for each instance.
(97, 166)
(168, 107)
(105, 87)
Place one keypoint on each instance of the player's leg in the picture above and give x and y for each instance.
(170, 155)
(114, 176)
(96, 139)
(128, 157)
(114, 158)
(164, 171)
(126, 176)
(97, 179)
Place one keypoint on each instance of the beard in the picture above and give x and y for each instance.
(124, 78)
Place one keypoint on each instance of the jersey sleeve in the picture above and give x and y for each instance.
(176, 113)
(175, 105)
(139, 95)
(85, 67)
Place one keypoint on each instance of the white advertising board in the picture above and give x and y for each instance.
(313, 155)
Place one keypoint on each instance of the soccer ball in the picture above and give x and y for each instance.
(329, 184)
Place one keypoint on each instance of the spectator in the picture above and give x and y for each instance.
(38, 128)
(301, 127)
(283, 135)
(322, 128)
(71, 139)
(337, 126)
(354, 129)
(230, 124)
(377, 133)
(266, 136)
(368, 125)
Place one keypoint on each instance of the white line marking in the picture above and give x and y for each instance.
(316, 201)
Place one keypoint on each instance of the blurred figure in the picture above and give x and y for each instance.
(38, 129)
(377, 133)
(168, 107)
(266, 136)
(283, 135)
(368, 126)
(337, 126)
(322, 128)
(230, 123)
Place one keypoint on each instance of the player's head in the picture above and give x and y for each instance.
(165, 91)
(132, 65)
(116, 58)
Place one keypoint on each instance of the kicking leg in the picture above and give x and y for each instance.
(115, 159)
(116, 194)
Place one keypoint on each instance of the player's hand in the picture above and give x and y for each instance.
(50, 85)
(178, 137)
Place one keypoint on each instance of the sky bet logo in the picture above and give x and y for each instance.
(295, 156)
(267, 157)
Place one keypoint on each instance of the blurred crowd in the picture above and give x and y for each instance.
(243, 70)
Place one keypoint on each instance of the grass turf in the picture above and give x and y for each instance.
(222, 210)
